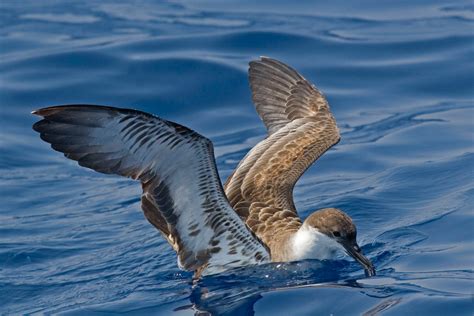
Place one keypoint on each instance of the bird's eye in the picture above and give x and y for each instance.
(337, 234)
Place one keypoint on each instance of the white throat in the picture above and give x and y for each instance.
(309, 243)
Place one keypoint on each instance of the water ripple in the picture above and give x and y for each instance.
(398, 77)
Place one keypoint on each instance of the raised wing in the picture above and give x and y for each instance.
(281, 95)
(182, 193)
(300, 129)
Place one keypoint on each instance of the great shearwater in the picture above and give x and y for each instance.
(252, 219)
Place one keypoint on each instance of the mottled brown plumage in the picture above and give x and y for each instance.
(300, 129)
(255, 220)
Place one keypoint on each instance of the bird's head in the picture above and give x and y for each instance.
(338, 226)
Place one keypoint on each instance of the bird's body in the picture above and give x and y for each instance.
(252, 218)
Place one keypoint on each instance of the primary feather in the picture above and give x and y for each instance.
(182, 194)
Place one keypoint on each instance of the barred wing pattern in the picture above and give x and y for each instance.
(182, 193)
(300, 128)
(281, 95)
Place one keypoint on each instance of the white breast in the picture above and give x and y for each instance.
(309, 243)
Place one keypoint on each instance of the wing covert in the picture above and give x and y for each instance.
(182, 193)
(300, 128)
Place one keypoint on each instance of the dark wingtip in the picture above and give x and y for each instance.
(42, 111)
(37, 126)
(51, 110)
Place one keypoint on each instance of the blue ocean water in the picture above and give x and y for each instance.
(398, 76)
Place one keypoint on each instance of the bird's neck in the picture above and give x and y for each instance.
(309, 243)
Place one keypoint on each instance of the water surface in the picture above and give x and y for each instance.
(398, 77)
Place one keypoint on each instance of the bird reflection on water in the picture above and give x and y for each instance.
(236, 292)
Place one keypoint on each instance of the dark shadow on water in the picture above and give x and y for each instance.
(237, 291)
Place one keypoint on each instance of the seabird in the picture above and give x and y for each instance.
(252, 219)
